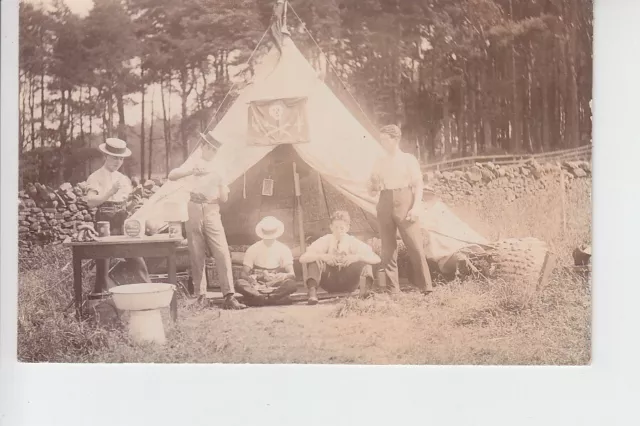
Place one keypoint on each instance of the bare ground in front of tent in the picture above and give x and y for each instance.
(470, 322)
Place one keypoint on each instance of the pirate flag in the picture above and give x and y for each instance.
(278, 121)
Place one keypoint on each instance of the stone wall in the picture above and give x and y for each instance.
(512, 181)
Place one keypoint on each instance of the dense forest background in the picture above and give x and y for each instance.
(461, 77)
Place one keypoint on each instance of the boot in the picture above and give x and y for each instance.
(231, 303)
(313, 293)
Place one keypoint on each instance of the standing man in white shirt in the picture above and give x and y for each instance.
(338, 262)
(109, 191)
(204, 227)
(397, 178)
(267, 276)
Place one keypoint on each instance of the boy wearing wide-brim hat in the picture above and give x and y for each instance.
(204, 227)
(267, 276)
(109, 191)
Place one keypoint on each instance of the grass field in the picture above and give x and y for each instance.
(470, 322)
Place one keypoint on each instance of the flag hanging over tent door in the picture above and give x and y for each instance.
(278, 121)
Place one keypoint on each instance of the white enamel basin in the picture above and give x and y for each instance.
(140, 297)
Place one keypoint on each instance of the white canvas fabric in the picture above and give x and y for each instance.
(341, 149)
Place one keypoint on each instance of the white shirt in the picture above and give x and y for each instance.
(102, 180)
(398, 170)
(207, 185)
(275, 256)
(348, 245)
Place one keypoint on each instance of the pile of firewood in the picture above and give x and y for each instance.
(51, 215)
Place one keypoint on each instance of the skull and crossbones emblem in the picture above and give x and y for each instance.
(275, 111)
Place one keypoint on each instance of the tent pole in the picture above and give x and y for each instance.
(303, 247)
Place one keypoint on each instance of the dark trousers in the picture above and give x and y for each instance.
(393, 207)
(338, 280)
(134, 270)
(254, 298)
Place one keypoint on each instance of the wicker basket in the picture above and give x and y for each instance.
(522, 261)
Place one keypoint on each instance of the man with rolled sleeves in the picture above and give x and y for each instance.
(397, 178)
(109, 191)
(204, 226)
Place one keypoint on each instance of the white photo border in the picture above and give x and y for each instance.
(604, 393)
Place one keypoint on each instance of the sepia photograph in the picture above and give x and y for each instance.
(363, 182)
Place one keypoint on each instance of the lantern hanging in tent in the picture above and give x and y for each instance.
(267, 187)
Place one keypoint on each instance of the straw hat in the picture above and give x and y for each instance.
(269, 228)
(115, 147)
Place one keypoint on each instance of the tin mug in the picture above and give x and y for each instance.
(104, 229)
(382, 279)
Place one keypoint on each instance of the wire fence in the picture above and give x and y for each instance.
(573, 154)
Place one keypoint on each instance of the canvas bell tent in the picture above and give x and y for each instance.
(287, 117)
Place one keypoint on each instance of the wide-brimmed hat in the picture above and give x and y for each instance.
(269, 228)
(115, 147)
(208, 138)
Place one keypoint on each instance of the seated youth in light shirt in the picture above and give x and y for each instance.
(338, 262)
(267, 275)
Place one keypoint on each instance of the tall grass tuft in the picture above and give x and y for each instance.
(47, 328)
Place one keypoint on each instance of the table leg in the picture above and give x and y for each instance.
(171, 263)
(77, 283)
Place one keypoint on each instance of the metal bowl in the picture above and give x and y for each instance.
(139, 297)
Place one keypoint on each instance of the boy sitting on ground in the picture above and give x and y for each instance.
(338, 262)
(267, 276)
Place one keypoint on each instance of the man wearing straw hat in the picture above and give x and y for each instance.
(109, 190)
(267, 274)
(204, 226)
(397, 178)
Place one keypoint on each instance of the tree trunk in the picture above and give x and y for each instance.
(150, 168)
(485, 102)
(70, 120)
(573, 123)
(526, 103)
(111, 114)
(474, 113)
(167, 130)
(32, 118)
(62, 131)
(122, 129)
(446, 125)
(546, 104)
(21, 117)
(105, 121)
(183, 133)
(91, 111)
(516, 107)
(142, 129)
(461, 123)
(42, 109)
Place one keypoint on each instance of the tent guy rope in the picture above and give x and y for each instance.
(344, 85)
